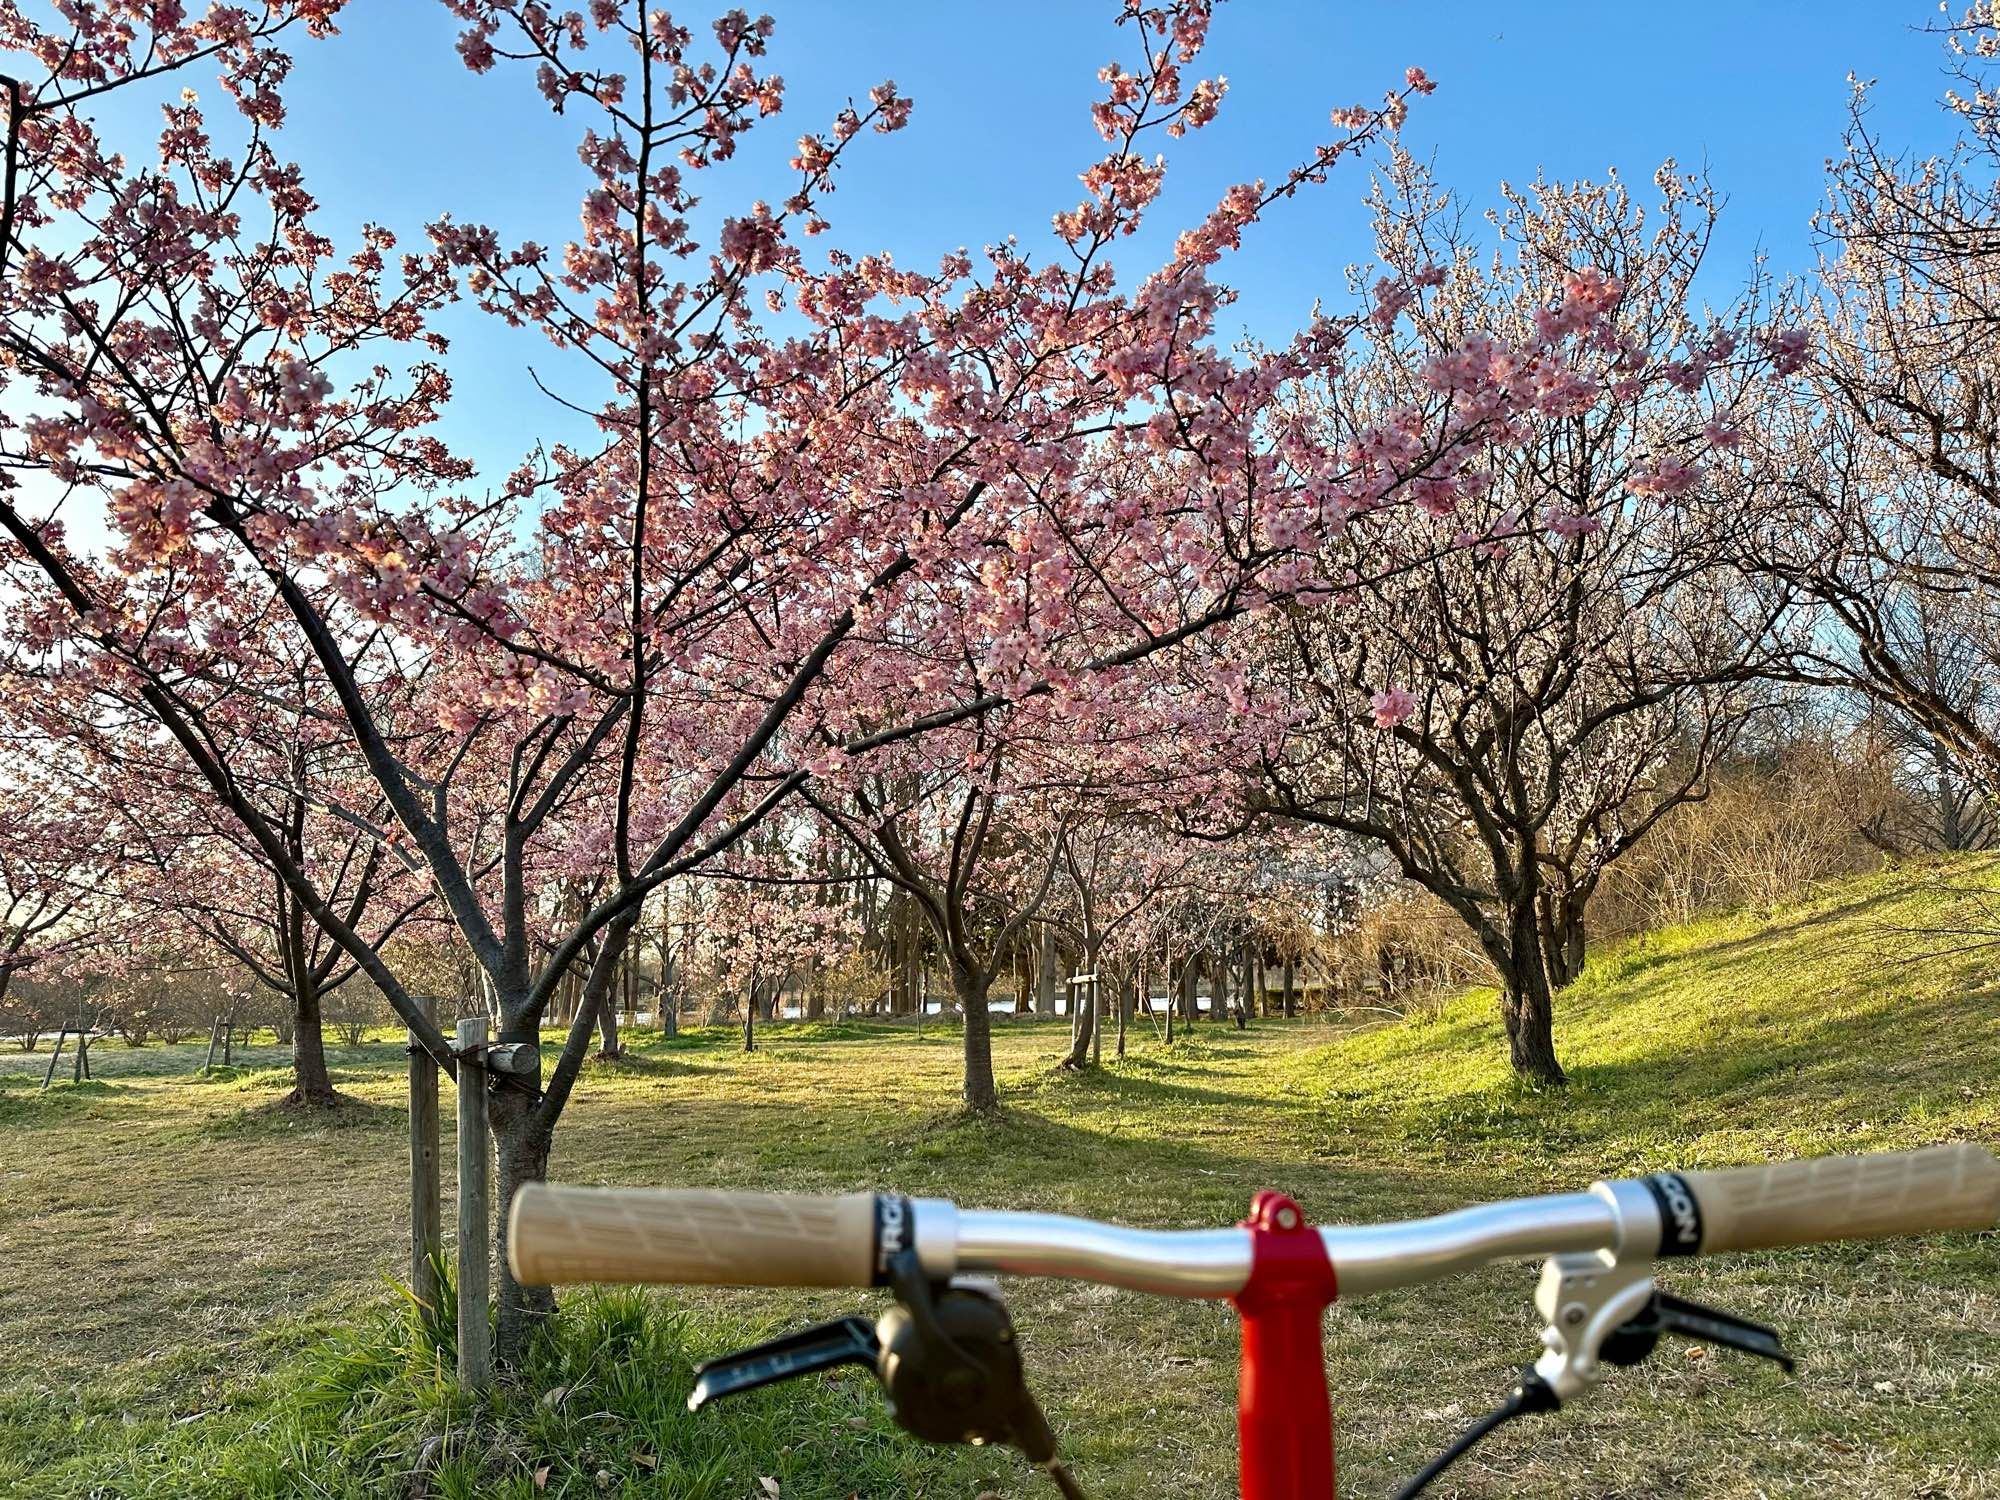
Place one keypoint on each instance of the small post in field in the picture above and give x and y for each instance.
(426, 1215)
(475, 1242)
(50, 1076)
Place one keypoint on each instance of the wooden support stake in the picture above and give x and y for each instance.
(49, 1077)
(475, 1239)
(214, 1041)
(1126, 997)
(426, 1214)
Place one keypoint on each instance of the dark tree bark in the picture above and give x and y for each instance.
(969, 986)
(1527, 1003)
(521, 1155)
(311, 1087)
(1563, 939)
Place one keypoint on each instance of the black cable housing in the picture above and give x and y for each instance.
(1531, 1394)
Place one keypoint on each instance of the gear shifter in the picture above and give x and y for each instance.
(945, 1354)
(824, 1346)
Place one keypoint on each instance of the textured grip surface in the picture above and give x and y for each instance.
(568, 1234)
(1848, 1198)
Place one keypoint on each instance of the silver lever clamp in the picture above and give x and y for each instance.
(1584, 1300)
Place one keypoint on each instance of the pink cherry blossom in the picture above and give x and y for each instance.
(1392, 706)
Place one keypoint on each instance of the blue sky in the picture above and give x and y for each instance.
(390, 127)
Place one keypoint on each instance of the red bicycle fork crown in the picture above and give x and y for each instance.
(1284, 1418)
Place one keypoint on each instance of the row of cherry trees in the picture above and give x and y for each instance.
(1008, 585)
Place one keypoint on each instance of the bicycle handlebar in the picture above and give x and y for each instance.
(691, 1235)
(569, 1234)
(1847, 1198)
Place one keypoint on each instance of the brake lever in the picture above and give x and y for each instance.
(1666, 1313)
(824, 1346)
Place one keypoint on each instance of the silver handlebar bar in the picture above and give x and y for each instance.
(1216, 1262)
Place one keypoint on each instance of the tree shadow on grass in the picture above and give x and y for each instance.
(1136, 1081)
(646, 1065)
(1796, 1074)
(25, 1102)
(279, 1118)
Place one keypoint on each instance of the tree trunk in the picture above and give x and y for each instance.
(667, 999)
(1527, 1003)
(981, 1093)
(312, 1088)
(1574, 950)
(521, 1151)
(1045, 975)
(1530, 1015)
(1126, 994)
(1561, 933)
(607, 1031)
(1082, 1028)
(1098, 1005)
(1291, 977)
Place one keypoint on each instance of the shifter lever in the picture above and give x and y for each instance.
(945, 1355)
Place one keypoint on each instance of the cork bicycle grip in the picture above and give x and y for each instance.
(1846, 1198)
(690, 1235)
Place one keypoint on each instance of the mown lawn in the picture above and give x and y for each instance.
(196, 1296)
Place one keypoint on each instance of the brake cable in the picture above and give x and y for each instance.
(1531, 1394)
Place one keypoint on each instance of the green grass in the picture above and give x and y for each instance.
(195, 1287)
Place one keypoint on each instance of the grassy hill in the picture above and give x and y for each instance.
(196, 1303)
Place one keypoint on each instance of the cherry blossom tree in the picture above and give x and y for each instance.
(1511, 712)
(57, 857)
(805, 464)
(194, 868)
(966, 828)
(1870, 491)
(1121, 871)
